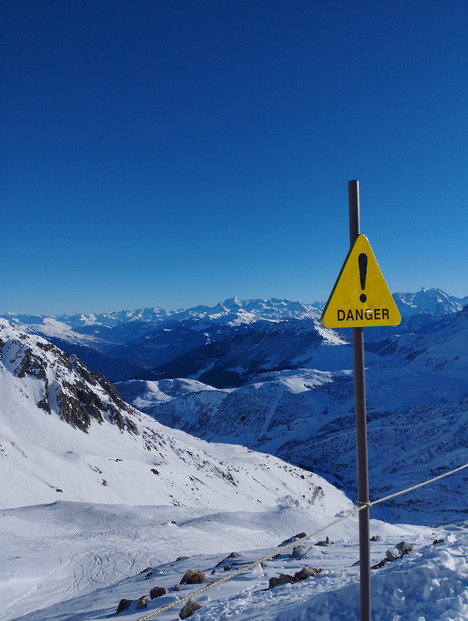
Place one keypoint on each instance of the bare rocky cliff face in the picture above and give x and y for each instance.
(62, 383)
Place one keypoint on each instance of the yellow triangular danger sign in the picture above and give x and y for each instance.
(360, 297)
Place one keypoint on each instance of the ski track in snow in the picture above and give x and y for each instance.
(81, 575)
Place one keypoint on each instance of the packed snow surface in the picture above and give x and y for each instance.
(76, 561)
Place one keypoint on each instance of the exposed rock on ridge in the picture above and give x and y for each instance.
(62, 384)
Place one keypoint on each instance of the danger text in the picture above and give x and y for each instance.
(371, 314)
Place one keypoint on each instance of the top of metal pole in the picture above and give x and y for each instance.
(354, 215)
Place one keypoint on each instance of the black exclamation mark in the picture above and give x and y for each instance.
(362, 260)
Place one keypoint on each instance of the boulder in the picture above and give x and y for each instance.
(404, 547)
(193, 577)
(190, 607)
(306, 572)
(297, 551)
(392, 554)
(143, 602)
(124, 604)
(283, 579)
(158, 592)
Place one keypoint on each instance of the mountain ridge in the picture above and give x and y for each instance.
(128, 344)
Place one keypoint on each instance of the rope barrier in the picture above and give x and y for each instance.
(361, 506)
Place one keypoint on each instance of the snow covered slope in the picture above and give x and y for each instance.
(285, 383)
(428, 304)
(67, 435)
(417, 405)
(98, 500)
(70, 561)
(235, 359)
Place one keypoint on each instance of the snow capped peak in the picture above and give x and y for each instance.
(433, 301)
(232, 303)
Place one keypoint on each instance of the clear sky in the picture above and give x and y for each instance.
(179, 152)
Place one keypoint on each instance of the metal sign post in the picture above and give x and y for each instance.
(360, 298)
(361, 427)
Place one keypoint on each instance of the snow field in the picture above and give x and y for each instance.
(76, 562)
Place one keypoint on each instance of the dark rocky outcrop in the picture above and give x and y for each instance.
(70, 389)
(303, 574)
(190, 607)
(193, 577)
(124, 604)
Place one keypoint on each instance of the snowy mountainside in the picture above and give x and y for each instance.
(67, 435)
(232, 361)
(307, 418)
(34, 369)
(417, 402)
(442, 350)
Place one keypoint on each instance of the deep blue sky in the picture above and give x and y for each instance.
(174, 152)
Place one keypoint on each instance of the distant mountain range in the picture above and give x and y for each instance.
(128, 343)
(154, 342)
